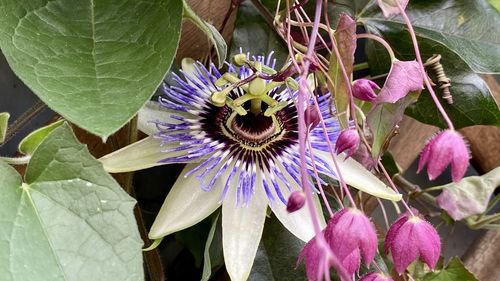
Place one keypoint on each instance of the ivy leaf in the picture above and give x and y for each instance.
(29, 144)
(4, 123)
(470, 196)
(473, 103)
(69, 220)
(455, 270)
(467, 28)
(212, 33)
(345, 37)
(94, 62)
(254, 35)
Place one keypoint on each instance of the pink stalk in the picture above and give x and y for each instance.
(289, 39)
(302, 146)
(422, 69)
(318, 182)
(391, 183)
(332, 153)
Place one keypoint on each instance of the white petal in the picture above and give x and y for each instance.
(299, 223)
(359, 177)
(153, 111)
(143, 154)
(186, 204)
(241, 232)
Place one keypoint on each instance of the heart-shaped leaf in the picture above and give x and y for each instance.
(94, 62)
(69, 220)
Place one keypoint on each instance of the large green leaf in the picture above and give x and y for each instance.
(94, 62)
(468, 28)
(252, 34)
(69, 220)
(473, 103)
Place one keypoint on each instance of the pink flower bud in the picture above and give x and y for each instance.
(347, 140)
(374, 276)
(350, 234)
(312, 117)
(363, 89)
(441, 150)
(296, 201)
(409, 238)
(316, 260)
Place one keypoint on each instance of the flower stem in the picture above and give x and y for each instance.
(422, 69)
(380, 40)
(360, 66)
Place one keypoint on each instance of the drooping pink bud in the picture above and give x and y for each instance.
(296, 201)
(315, 259)
(350, 234)
(311, 117)
(374, 276)
(441, 150)
(347, 140)
(363, 89)
(409, 238)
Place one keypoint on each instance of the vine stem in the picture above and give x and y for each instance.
(302, 149)
(421, 65)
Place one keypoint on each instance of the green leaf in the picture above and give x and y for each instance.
(468, 28)
(212, 33)
(70, 220)
(4, 123)
(94, 62)
(455, 270)
(382, 120)
(254, 35)
(277, 255)
(29, 144)
(345, 38)
(473, 103)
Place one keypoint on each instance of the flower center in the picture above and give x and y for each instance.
(252, 131)
(253, 128)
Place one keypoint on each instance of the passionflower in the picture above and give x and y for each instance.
(238, 133)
